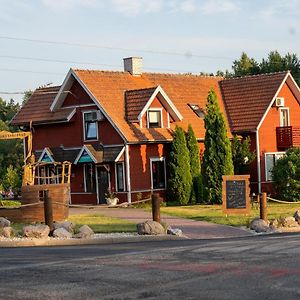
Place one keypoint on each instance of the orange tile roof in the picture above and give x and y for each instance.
(135, 101)
(37, 108)
(247, 98)
(109, 89)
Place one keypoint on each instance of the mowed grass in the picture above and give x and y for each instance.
(103, 224)
(214, 213)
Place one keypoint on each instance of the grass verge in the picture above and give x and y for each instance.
(103, 224)
(214, 213)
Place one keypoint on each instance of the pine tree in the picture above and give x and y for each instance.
(217, 158)
(180, 179)
(195, 165)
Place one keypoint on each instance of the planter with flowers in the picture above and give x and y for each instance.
(111, 198)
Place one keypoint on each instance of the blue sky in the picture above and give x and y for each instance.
(171, 36)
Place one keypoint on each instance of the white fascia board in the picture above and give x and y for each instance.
(45, 151)
(120, 154)
(173, 110)
(60, 95)
(84, 148)
(295, 88)
(98, 105)
(272, 101)
(72, 113)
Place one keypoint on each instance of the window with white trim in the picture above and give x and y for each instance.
(90, 125)
(120, 182)
(89, 178)
(154, 118)
(284, 117)
(158, 173)
(270, 161)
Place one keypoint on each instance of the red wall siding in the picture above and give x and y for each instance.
(267, 132)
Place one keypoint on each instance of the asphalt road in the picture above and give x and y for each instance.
(260, 267)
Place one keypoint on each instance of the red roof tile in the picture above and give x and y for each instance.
(37, 108)
(247, 98)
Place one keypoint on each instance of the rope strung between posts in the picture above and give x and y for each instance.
(124, 204)
(23, 205)
(280, 201)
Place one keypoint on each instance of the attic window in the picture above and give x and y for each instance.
(154, 118)
(197, 110)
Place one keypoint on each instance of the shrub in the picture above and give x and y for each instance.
(286, 175)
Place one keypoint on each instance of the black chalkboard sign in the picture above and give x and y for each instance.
(235, 194)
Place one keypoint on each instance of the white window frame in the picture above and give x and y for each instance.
(161, 116)
(154, 159)
(266, 170)
(83, 119)
(116, 176)
(280, 115)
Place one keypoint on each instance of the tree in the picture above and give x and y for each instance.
(273, 63)
(245, 66)
(217, 158)
(195, 165)
(242, 156)
(180, 179)
(286, 175)
(11, 179)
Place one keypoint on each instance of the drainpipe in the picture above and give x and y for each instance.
(258, 162)
(128, 173)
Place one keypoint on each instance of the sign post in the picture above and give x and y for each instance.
(235, 194)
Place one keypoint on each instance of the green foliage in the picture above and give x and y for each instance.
(180, 179)
(11, 151)
(273, 63)
(217, 158)
(11, 179)
(286, 176)
(195, 165)
(242, 156)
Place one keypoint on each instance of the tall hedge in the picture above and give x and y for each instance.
(195, 165)
(217, 157)
(180, 179)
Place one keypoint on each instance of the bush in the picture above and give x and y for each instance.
(286, 176)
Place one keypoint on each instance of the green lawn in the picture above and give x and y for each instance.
(214, 213)
(102, 224)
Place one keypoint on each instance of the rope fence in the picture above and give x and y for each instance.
(280, 201)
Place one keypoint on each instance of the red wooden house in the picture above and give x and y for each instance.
(116, 127)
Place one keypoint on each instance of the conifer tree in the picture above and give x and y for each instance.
(180, 179)
(217, 158)
(195, 165)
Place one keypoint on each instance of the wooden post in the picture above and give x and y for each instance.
(48, 211)
(263, 207)
(155, 208)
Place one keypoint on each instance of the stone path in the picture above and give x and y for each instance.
(190, 228)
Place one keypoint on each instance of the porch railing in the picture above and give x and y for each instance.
(287, 137)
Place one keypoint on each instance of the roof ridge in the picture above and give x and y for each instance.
(143, 89)
(151, 73)
(257, 75)
(48, 88)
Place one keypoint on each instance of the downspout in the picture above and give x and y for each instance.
(258, 162)
(128, 173)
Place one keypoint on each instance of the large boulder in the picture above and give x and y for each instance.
(7, 232)
(85, 232)
(4, 222)
(67, 225)
(259, 225)
(36, 231)
(297, 216)
(150, 228)
(289, 222)
(62, 233)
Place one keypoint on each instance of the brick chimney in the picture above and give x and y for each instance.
(133, 65)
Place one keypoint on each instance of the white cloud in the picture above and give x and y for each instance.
(136, 7)
(188, 6)
(211, 7)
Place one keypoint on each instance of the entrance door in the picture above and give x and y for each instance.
(103, 184)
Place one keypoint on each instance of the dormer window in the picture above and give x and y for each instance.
(154, 118)
(197, 110)
(90, 120)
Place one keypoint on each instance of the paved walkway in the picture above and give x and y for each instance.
(190, 228)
